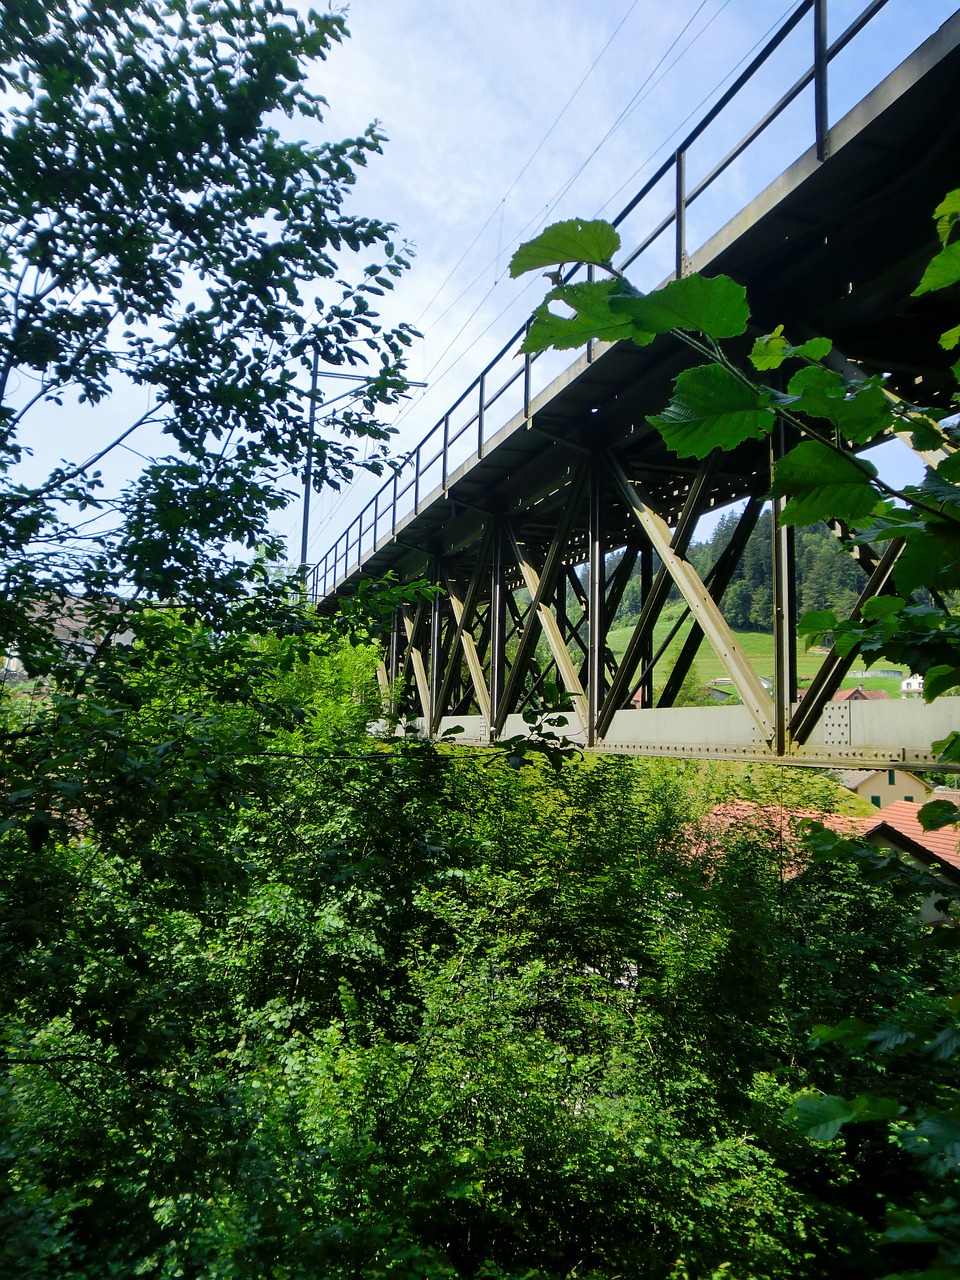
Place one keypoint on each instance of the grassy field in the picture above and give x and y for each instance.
(757, 646)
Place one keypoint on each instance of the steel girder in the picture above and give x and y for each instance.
(523, 623)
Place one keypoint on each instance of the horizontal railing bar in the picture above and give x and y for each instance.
(668, 221)
(353, 536)
(790, 96)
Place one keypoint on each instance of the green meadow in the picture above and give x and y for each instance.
(756, 645)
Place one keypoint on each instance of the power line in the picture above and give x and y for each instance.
(498, 208)
(649, 83)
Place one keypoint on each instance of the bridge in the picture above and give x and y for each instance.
(543, 489)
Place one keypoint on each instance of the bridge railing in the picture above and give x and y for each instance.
(508, 385)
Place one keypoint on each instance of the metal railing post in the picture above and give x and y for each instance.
(526, 376)
(416, 483)
(591, 342)
(681, 168)
(481, 414)
(444, 467)
(820, 67)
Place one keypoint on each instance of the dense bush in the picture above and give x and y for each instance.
(359, 1009)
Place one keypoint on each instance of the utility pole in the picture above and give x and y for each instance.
(308, 471)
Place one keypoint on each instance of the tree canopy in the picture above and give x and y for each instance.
(170, 262)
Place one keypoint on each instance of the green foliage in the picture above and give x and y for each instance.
(717, 307)
(435, 1016)
(572, 241)
(718, 405)
(160, 239)
(819, 484)
(709, 400)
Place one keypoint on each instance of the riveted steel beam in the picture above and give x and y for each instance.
(836, 665)
(717, 581)
(640, 645)
(539, 608)
(413, 657)
(463, 607)
(701, 604)
(561, 656)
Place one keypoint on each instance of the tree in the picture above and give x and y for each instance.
(170, 259)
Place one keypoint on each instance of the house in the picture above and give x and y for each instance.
(897, 826)
(912, 687)
(777, 824)
(859, 694)
(884, 786)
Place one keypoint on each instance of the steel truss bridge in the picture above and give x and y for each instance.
(516, 500)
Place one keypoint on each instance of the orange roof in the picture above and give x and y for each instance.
(858, 694)
(898, 823)
(771, 820)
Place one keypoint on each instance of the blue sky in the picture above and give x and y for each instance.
(504, 115)
(509, 114)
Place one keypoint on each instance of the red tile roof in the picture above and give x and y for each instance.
(773, 821)
(898, 824)
(859, 694)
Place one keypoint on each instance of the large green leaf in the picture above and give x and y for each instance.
(822, 485)
(931, 557)
(712, 409)
(716, 307)
(943, 270)
(860, 411)
(936, 1140)
(592, 318)
(772, 349)
(947, 214)
(572, 241)
(820, 1116)
(938, 813)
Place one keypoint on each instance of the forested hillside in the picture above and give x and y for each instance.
(828, 577)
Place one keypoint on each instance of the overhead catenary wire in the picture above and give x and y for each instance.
(501, 204)
(655, 77)
(659, 72)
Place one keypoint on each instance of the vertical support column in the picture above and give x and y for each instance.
(784, 607)
(481, 414)
(308, 466)
(646, 652)
(435, 655)
(820, 65)
(591, 342)
(527, 366)
(595, 603)
(681, 170)
(563, 619)
(393, 656)
(498, 618)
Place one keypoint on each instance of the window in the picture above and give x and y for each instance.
(891, 777)
(875, 800)
(910, 798)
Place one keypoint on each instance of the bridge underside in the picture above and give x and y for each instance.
(534, 542)
(524, 618)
